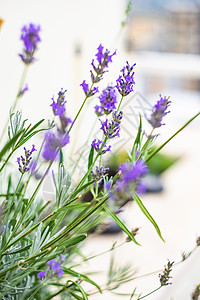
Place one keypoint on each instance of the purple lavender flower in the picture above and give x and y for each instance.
(159, 111)
(108, 99)
(112, 128)
(53, 142)
(59, 106)
(108, 185)
(130, 179)
(60, 272)
(86, 90)
(30, 37)
(99, 110)
(99, 173)
(24, 162)
(126, 82)
(97, 144)
(103, 59)
(41, 275)
(53, 269)
(132, 172)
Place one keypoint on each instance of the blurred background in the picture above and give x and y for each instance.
(163, 39)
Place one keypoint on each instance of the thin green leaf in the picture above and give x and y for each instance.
(34, 126)
(137, 140)
(85, 297)
(78, 275)
(121, 224)
(24, 140)
(147, 214)
(9, 144)
(167, 141)
(133, 293)
(74, 295)
(72, 241)
(90, 161)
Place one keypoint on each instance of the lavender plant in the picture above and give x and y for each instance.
(39, 239)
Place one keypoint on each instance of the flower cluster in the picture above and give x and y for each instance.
(59, 106)
(100, 172)
(30, 37)
(130, 179)
(97, 144)
(126, 82)
(103, 59)
(53, 142)
(89, 92)
(159, 111)
(24, 162)
(58, 139)
(108, 99)
(112, 128)
(164, 278)
(53, 269)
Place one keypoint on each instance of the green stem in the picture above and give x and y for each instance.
(21, 85)
(120, 103)
(150, 293)
(167, 141)
(79, 111)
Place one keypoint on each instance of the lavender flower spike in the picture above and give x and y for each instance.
(97, 145)
(59, 106)
(112, 128)
(126, 82)
(30, 37)
(108, 99)
(103, 59)
(41, 275)
(159, 111)
(86, 90)
(130, 179)
(53, 142)
(24, 162)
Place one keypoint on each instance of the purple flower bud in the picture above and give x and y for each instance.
(41, 275)
(130, 179)
(112, 128)
(23, 91)
(30, 37)
(126, 82)
(99, 110)
(86, 90)
(97, 146)
(85, 87)
(99, 173)
(60, 272)
(108, 99)
(159, 111)
(59, 106)
(24, 162)
(103, 59)
(53, 142)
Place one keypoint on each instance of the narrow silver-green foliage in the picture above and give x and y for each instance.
(62, 185)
